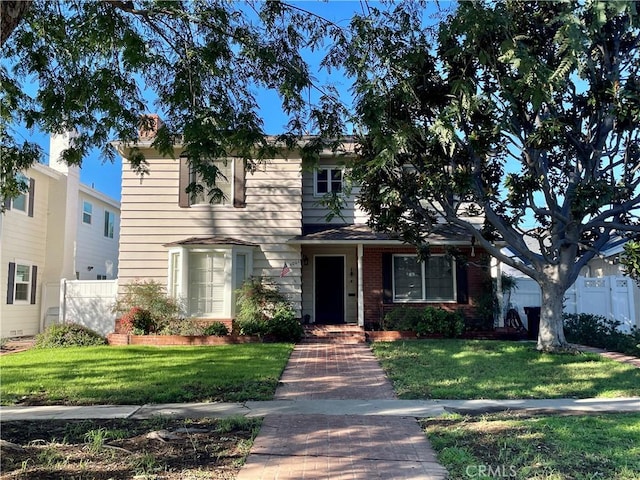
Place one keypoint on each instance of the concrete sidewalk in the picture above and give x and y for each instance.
(334, 416)
(329, 407)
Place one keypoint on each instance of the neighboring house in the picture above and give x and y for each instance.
(271, 224)
(603, 288)
(60, 228)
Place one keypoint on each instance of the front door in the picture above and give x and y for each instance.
(329, 289)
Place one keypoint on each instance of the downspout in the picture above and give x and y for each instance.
(62, 314)
(360, 285)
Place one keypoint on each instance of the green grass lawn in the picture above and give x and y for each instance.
(541, 448)
(476, 369)
(138, 375)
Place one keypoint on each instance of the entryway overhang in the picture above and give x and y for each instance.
(354, 234)
(325, 243)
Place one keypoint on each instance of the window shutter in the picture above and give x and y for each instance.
(34, 283)
(11, 282)
(387, 278)
(239, 177)
(32, 194)
(7, 204)
(183, 183)
(462, 283)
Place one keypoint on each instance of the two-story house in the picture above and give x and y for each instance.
(271, 223)
(60, 228)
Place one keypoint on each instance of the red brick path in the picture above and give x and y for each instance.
(334, 447)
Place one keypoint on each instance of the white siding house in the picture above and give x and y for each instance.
(272, 223)
(40, 243)
(204, 251)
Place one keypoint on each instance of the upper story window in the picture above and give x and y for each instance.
(87, 212)
(218, 194)
(430, 281)
(25, 201)
(229, 188)
(20, 203)
(328, 180)
(109, 223)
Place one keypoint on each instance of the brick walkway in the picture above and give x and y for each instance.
(337, 447)
(333, 371)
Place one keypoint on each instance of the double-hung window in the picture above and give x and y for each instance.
(25, 201)
(21, 286)
(87, 212)
(218, 194)
(430, 281)
(328, 180)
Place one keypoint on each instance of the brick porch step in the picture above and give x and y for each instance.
(344, 334)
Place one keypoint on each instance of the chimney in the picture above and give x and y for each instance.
(57, 144)
(149, 125)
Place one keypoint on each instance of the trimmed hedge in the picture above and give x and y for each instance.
(424, 321)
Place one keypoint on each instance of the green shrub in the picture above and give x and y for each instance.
(68, 335)
(138, 321)
(264, 311)
(436, 320)
(598, 331)
(425, 321)
(284, 325)
(181, 326)
(218, 329)
(402, 318)
(151, 297)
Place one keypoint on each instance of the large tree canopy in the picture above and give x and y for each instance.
(97, 67)
(524, 112)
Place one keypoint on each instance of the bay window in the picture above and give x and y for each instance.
(206, 278)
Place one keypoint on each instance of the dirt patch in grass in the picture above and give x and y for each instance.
(160, 448)
(524, 446)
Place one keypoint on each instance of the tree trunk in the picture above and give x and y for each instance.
(11, 12)
(551, 335)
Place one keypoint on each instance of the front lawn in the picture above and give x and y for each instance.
(541, 448)
(476, 369)
(139, 375)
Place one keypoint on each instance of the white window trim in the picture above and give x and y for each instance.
(24, 194)
(181, 289)
(329, 168)
(82, 212)
(109, 213)
(424, 283)
(30, 265)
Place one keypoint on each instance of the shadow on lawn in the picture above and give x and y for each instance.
(139, 375)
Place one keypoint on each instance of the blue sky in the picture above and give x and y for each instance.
(105, 176)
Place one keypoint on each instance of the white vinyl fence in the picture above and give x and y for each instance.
(611, 297)
(88, 303)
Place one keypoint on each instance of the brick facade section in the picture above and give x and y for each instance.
(374, 307)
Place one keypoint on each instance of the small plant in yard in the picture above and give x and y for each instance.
(218, 329)
(68, 335)
(181, 326)
(151, 298)
(137, 321)
(264, 310)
